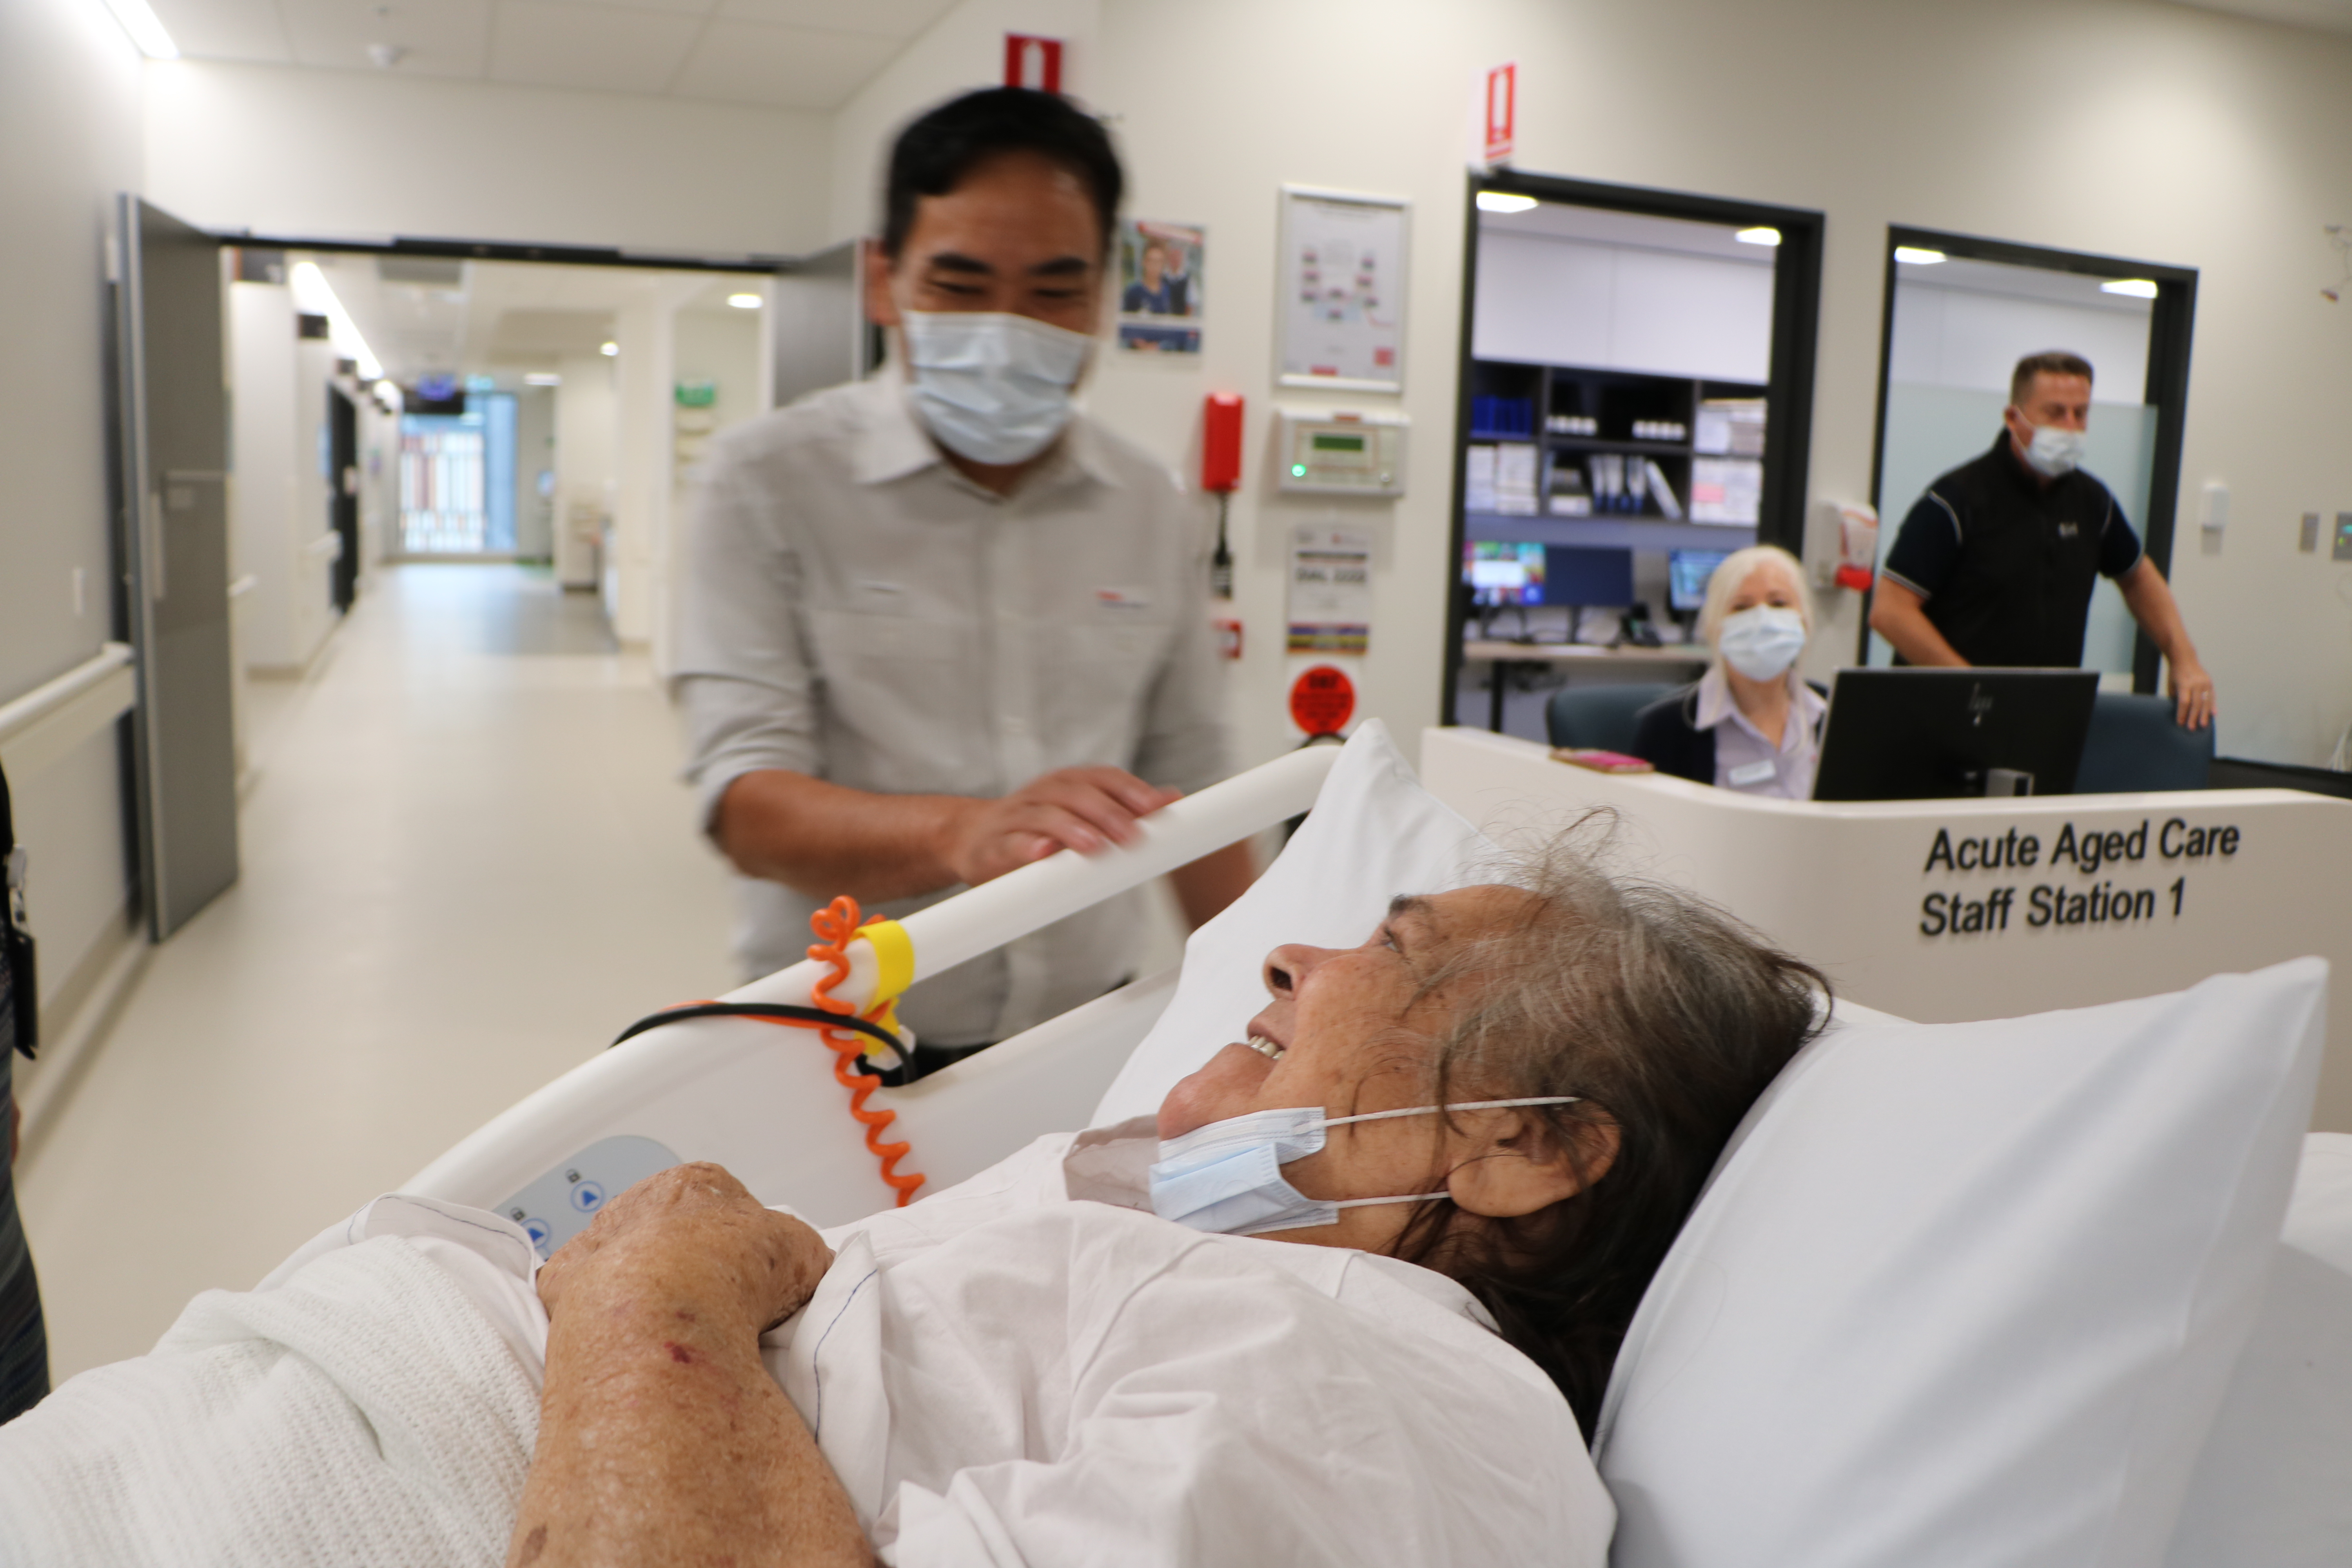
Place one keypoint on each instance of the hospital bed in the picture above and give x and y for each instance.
(2261, 1446)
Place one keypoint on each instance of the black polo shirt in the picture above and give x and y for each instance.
(2005, 566)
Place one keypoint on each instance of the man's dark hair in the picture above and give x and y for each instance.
(2057, 361)
(933, 154)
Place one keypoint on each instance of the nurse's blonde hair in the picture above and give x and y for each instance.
(1734, 571)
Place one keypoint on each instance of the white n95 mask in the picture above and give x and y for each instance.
(1763, 642)
(2056, 452)
(1226, 1177)
(992, 387)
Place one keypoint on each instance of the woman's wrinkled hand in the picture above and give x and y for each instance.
(693, 1238)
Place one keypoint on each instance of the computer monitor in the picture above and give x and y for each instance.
(1929, 734)
(1687, 571)
(1502, 573)
(1580, 574)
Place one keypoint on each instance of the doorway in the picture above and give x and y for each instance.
(1635, 403)
(1960, 312)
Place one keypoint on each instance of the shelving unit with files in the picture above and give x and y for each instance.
(1571, 455)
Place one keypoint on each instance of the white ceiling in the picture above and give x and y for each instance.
(497, 317)
(785, 54)
(1638, 231)
(2327, 16)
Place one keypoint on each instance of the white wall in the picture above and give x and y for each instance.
(338, 153)
(587, 431)
(1546, 300)
(69, 142)
(1960, 337)
(2215, 141)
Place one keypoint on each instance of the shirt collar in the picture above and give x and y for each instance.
(1715, 704)
(892, 441)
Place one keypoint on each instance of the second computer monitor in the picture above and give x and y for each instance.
(1687, 571)
(1577, 575)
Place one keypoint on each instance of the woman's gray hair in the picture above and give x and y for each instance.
(1665, 1018)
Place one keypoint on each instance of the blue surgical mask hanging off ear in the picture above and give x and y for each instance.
(990, 386)
(1226, 1177)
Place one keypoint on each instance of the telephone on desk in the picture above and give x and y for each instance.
(1636, 629)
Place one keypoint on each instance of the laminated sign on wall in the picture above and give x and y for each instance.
(1342, 281)
(1331, 590)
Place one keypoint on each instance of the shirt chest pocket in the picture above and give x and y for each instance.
(843, 640)
(1111, 665)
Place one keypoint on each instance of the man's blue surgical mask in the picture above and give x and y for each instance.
(1226, 1177)
(2056, 452)
(992, 387)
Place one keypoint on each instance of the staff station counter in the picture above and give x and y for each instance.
(1944, 910)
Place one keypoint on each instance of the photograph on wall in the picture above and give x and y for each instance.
(1342, 281)
(1159, 286)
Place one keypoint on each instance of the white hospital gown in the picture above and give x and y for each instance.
(1000, 1376)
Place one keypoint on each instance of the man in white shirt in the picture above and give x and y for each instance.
(937, 626)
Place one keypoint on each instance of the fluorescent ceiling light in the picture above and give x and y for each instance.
(542, 378)
(1505, 201)
(609, 349)
(1758, 237)
(146, 29)
(1912, 256)
(314, 296)
(744, 301)
(2138, 288)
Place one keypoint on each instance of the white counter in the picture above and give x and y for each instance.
(1896, 901)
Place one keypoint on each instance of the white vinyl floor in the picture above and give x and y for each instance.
(468, 863)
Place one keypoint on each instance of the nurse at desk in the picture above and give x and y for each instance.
(1751, 723)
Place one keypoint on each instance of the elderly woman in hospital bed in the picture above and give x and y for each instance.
(1348, 1301)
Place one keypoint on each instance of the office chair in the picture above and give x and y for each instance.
(1601, 716)
(2134, 744)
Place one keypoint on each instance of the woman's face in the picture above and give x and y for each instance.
(1357, 1029)
(1767, 582)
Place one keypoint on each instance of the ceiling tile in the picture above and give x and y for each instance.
(787, 67)
(676, 7)
(437, 37)
(226, 30)
(884, 18)
(552, 45)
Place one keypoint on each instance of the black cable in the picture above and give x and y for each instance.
(766, 1010)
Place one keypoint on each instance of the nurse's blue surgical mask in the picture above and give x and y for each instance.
(991, 387)
(1762, 643)
(1226, 1177)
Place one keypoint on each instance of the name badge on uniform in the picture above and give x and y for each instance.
(1748, 773)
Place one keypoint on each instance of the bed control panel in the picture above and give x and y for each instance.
(559, 1204)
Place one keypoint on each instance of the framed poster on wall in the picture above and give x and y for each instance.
(1342, 276)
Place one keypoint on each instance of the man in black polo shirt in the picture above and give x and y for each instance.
(1996, 563)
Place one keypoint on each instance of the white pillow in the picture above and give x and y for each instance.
(1374, 832)
(2273, 1486)
(1968, 1293)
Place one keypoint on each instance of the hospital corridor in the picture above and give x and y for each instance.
(449, 825)
(1195, 783)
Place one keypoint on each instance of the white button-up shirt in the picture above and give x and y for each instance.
(1743, 759)
(857, 610)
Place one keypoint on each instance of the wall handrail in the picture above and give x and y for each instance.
(55, 717)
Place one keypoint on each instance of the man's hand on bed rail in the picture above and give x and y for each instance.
(662, 1438)
(825, 840)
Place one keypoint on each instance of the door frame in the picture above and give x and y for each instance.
(2171, 323)
(1788, 395)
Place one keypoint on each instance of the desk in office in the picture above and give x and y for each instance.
(1684, 656)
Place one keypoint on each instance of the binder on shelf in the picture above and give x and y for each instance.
(1667, 505)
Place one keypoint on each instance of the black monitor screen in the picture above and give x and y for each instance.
(1932, 734)
(1575, 574)
(1687, 571)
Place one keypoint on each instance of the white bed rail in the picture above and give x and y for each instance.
(763, 1101)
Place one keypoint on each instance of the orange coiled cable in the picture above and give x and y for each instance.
(835, 925)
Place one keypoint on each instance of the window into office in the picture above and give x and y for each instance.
(1623, 372)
